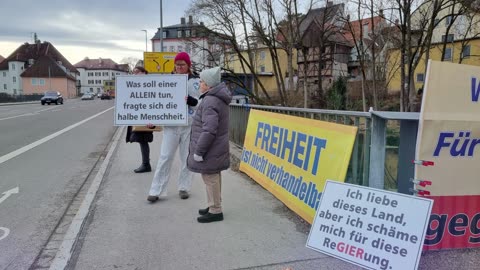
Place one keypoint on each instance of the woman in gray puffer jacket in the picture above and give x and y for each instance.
(209, 140)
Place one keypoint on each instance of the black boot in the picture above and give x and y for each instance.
(204, 211)
(143, 168)
(209, 217)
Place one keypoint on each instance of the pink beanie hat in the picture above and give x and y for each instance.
(183, 56)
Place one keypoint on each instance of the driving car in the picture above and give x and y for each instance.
(87, 96)
(105, 96)
(52, 97)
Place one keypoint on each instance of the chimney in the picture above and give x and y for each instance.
(182, 20)
(329, 3)
(190, 19)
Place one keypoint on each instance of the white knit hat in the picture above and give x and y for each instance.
(211, 77)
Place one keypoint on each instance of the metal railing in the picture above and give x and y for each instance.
(367, 164)
(358, 170)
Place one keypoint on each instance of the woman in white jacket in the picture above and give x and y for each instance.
(176, 137)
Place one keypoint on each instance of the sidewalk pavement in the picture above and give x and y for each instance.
(125, 231)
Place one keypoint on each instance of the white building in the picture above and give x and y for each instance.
(94, 73)
(206, 49)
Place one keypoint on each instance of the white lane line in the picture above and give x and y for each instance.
(64, 253)
(8, 193)
(26, 114)
(46, 139)
(6, 232)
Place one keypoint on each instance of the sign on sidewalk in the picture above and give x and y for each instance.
(372, 228)
(448, 135)
(155, 99)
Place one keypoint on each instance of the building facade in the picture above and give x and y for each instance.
(455, 39)
(36, 68)
(206, 49)
(94, 73)
(263, 68)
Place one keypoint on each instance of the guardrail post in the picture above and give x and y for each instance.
(377, 152)
(406, 153)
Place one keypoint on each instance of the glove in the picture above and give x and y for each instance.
(197, 158)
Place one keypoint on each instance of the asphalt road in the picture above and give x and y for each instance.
(46, 153)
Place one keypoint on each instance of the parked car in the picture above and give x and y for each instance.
(87, 96)
(52, 97)
(99, 95)
(105, 96)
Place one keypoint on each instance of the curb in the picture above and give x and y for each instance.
(19, 103)
(64, 254)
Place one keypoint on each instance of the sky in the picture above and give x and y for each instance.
(87, 28)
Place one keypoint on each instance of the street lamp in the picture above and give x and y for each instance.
(146, 50)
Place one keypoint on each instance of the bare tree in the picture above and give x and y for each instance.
(322, 46)
(131, 61)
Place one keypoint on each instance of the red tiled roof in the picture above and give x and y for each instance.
(356, 25)
(35, 51)
(45, 67)
(101, 63)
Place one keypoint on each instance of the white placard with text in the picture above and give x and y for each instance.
(372, 228)
(155, 99)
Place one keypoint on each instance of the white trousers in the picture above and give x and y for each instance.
(173, 138)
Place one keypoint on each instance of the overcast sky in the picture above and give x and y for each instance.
(87, 28)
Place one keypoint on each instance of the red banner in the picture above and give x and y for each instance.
(454, 223)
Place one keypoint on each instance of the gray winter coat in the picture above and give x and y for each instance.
(209, 136)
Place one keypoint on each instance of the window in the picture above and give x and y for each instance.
(164, 34)
(172, 48)
(448, 54)
(90, 74)
(180, 48)
(187, 33)
(262, 55)
(98, 81)
(5, 86)
(420, 77)
(466, 51)
(13, 66)
(448, 20)
(91, 89)
(105, 73)
(448, 38)
(262, 69)
(42, 81)
(4, 74)
(91, 81)
(98, 73)
(194, 33)
(164, 49)
(34, 81)
(179, 33)
(14, 79)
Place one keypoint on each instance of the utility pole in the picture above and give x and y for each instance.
(161, 27)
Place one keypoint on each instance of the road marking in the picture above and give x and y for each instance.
(8, 193)
(46, 139)
(6, 232)
(26, 114)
